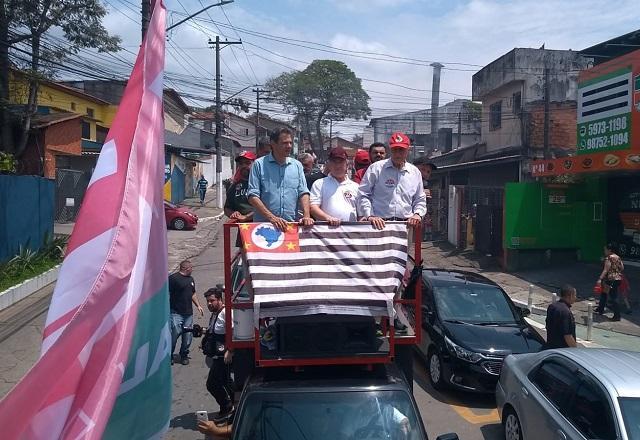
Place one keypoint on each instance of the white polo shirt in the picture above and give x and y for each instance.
(337, 199)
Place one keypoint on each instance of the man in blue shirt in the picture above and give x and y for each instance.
(277, 185)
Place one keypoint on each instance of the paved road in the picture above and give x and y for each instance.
(472, 417)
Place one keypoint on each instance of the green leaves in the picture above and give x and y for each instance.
(7, 162)
(325, 90)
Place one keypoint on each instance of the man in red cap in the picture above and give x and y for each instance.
(377, 151)
(333, 198)
(391, 189)
(237, 205)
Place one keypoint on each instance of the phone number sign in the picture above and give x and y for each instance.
(604, 113)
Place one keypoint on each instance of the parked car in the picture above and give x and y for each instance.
(469, 325)
(578, 393)
(329, 402)
(179, 217)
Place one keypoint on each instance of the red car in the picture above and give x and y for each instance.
(179, 217)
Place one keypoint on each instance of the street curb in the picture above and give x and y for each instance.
(20, 291)
(534, 309)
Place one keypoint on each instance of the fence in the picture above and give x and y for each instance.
(26, 213)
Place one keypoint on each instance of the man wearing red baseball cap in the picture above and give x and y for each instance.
(391, 189)
(237, 205)
(377, 151)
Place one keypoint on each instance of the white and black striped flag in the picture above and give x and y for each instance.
(351, 269)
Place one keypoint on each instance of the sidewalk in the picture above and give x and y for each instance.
(546, 282)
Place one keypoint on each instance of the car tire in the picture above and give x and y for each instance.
(511, 425)
(179, 224)
(434, 367)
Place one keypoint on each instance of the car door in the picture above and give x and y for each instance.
(545, 400)
(428, 318)
(591, 414)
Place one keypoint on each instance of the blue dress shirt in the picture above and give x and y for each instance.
(278, 186)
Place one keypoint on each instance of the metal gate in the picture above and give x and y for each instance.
(70, 188)
(485, 207)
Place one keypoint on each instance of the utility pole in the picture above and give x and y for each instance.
(145, 10)
(414, 137)
(219, 127)
(546, 113)
(459, 128)
(258, 91)
(435, 102)
(330, 135)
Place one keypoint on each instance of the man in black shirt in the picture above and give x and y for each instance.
(182, 294)
(561, 325)
(237, 205)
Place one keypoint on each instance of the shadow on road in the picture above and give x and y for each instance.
(451, 396)
(492, 431)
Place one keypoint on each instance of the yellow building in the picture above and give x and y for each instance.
(97, 114)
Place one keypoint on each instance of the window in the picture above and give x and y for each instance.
(495, 115)
(517, 103)
(556, 382)
(90, 112)
(591, 414)
(86, 130)
(246, 132)
(73, 106)
(101, 133)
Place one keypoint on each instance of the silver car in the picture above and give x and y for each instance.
(578, 393)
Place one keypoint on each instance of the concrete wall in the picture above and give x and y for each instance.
(510, 133)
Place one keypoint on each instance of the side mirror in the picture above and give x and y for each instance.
(449, 436)
(524, 312)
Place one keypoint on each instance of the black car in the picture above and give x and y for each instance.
(469, 325)
(329, 402)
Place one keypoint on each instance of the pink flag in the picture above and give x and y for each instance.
(104, 369)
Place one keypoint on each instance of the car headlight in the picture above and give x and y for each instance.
(462, 353)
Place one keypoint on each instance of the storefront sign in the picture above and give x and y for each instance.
(604, 112)
(557, 199)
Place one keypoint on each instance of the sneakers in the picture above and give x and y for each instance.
(184, 361)
(399, 326)
(224, 414)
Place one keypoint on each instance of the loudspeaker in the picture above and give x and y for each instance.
(323, 335)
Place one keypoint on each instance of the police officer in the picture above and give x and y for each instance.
(218, 356)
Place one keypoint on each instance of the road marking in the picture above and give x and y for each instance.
(471, 417)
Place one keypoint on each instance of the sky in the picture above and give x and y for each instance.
(389, 44)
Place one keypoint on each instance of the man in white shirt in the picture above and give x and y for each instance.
(333, 198)
(391, 189)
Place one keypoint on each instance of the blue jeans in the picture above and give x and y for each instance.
(202, 194)
(179, 321)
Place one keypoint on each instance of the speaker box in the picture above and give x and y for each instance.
(323, 335)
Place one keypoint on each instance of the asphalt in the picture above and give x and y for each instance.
(546, 282)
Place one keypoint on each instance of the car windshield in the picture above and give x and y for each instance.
(474, 305)
(630, 407)
(326, 415)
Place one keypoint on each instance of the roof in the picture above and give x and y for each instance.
(618, 370)
(42, 121)
(614, 47)
(442, 276)
(178, 99)
(327, 379)
(67, 89)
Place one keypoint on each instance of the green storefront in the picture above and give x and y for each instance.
(550, 223)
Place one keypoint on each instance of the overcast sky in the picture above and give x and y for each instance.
(462, 35)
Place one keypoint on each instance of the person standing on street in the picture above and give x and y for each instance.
(202, 188)
(237, 206)
(391, 189)
(218, 356)
(610, 279)
(311, 172)
(333, 198)
(277, 185)
(560, 323)
(426, 168)
(377, 152)
(182, 294)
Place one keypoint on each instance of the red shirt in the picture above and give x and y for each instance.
(357, 177)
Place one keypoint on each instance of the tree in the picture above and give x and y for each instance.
(22, 21)
(326, 90)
